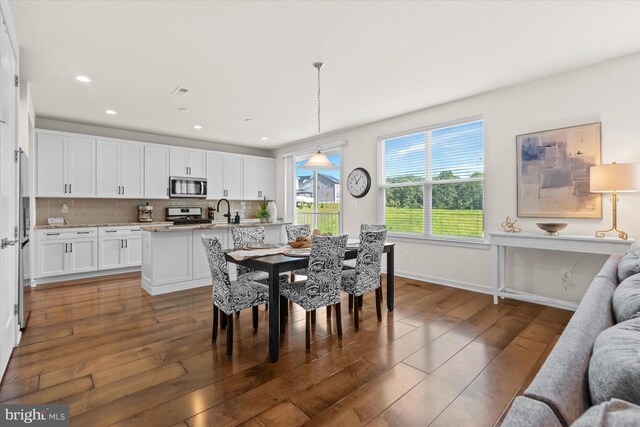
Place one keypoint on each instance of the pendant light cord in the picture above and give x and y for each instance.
(318, 65)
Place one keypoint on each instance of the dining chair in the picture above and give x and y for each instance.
(228, 296)
(351, 263)
(322, 286)
(243, 236)
(293, 232)
(366, 276)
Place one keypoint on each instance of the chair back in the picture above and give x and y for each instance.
(325, 269)
(372, 227)
(295, 231)
(369, 261)
(242, 236)
(219, 272)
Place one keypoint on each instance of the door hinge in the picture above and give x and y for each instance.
(15, 309)
(17, 80)
(15, 232)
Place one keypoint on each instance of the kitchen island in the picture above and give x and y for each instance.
(173, 257)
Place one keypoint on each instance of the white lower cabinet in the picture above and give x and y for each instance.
(67, 251)
(119, 247)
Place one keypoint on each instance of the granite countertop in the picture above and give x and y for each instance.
(215, 225)
(104, 224)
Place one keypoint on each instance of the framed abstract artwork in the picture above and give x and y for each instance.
(553, 172)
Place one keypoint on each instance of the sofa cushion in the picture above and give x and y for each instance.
(614, 370)
(629, 264)
(529, 412)
(626, 299)
(614, 413)
(562, 383)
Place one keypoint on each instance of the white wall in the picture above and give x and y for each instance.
(608, 92)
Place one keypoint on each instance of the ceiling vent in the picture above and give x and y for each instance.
(180, 91)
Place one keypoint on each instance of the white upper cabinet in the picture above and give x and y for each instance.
(156, 172)
(259, 178)
(66, 166)
(187, 163)
(120, 170)
(224, 176)
(267, 178)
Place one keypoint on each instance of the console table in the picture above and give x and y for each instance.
(500, 241)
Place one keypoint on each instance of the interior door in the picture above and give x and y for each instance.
(132, 165)
(108, 181)
(81, 167)
(8, 202)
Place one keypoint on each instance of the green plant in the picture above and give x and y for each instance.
(263, 212)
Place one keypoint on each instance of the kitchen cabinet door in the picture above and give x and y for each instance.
(132, 171)
(51, 164)
(178, 162)
(108, 169)
(250, 178)
(83, 255)
(267, 178)
(52, 258)
(111, 254)
(215, 177)
(197, 164)
(233, 177)
(133, 251)
(81, 167)
(156, 172)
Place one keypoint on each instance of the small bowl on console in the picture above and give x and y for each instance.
(552, 228)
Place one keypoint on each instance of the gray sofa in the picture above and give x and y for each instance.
(559, 394)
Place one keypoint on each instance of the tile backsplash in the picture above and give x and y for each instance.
(93, 211)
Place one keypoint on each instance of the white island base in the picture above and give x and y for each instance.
(173, 258)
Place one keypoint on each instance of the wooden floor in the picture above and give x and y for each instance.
(118, 356)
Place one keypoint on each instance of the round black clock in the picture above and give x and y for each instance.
(359, 182)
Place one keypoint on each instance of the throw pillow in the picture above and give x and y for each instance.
(629, 265)
(614, 413)
(626, 299)
(614, 368)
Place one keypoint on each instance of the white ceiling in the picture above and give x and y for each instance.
(253, 59)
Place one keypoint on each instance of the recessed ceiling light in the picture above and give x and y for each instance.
(183, 109)
(83, 79)
(248, 120)
(111, 112)
(264, 138)
(197, 127)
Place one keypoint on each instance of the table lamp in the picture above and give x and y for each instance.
(615, 178)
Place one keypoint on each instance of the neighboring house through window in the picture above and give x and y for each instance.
(433, 181)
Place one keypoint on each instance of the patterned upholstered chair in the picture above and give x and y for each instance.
(242, 236)
(366, 276)
(322, 287)
(293, 232)
(351, 263)
(230, 297)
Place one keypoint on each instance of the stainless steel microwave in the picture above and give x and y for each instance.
(182, 187)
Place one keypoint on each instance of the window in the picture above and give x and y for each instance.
(433, 181)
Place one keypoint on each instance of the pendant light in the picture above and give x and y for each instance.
(318, 160)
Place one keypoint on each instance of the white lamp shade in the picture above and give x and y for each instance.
(615, 177)
(318, 160)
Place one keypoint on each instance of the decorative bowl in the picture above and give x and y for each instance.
(300, 245)
(552, 228)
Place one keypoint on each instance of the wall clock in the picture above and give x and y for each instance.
(359, 182)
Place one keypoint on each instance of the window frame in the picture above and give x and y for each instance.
(427, 186)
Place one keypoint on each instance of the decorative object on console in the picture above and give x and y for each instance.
(318, 160)
(614, 178)
(263, 211)
(359, 182)
(510, 226)
(273, 211)
(553, 173)
(552, 228)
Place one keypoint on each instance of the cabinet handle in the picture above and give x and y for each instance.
(83, 232)
(123, 189)
(70, 247)
(111, 231)
(126, 243)
(66, 249)
(69, 188)
(53, 234)
(65, 189)
(186, 170)
(121, 243)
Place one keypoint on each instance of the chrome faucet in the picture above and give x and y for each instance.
(228, 214)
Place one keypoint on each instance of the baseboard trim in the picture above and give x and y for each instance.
(80, 276)
(174, 287)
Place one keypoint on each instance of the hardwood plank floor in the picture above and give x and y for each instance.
(118, 356)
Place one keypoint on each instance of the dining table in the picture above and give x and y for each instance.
(281, 263)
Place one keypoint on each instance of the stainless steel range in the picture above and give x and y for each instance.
(182, 216)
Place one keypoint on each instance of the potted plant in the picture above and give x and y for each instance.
(263, 211)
